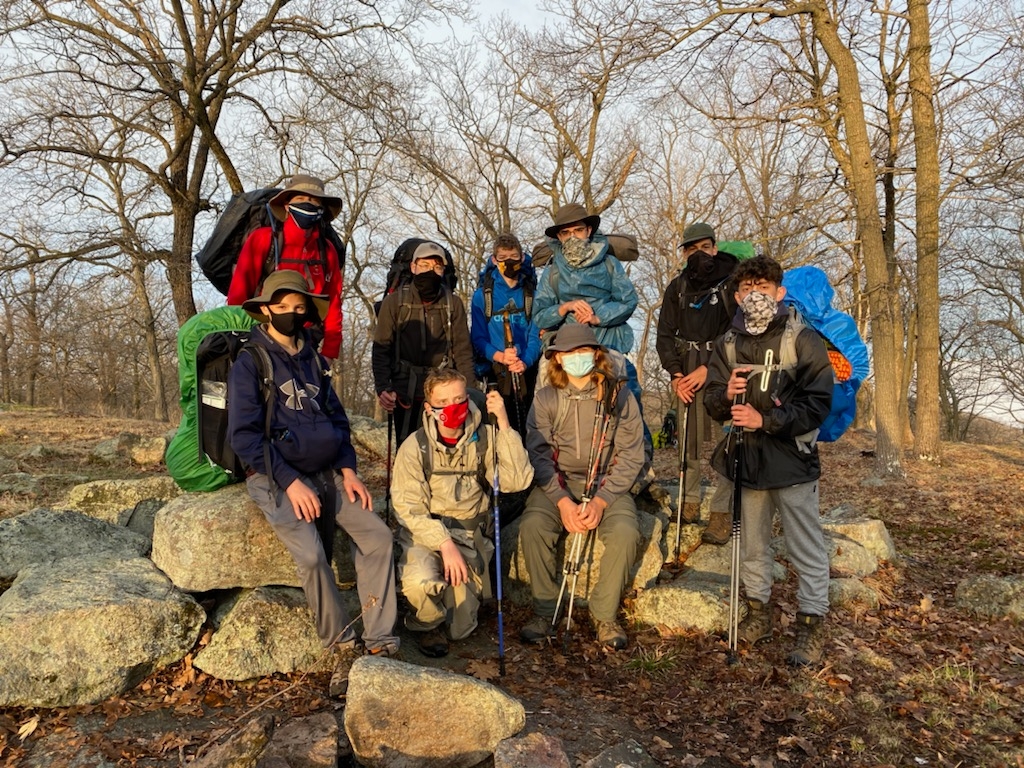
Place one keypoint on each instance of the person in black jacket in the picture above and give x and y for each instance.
(301, 466)
(779, 404)
(697, 308)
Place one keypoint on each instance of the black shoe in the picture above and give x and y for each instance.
(433, 643)
(537, 630)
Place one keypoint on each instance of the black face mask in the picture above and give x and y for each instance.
(510, 268)
(288, 323)
(427, 285)
(701, 265)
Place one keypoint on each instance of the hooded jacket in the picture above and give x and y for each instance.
(560, 453)
(442, 497)
(489, 335)
(793, 404)
(609, 292)
(696, 310)
(309, 431)
(421, 333)
(300, 245)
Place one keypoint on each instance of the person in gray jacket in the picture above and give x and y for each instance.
(563, 438)
(441, 490)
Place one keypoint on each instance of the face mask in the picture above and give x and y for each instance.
(287, 323)
(510, 268)
(701, 265)
(306, 215)
(759, 310)
(575, 251)
(451, 416)
(428, 285)
(578, 364)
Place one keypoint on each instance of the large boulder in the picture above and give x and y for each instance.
(370, 436)
(221, 540)
(263, 631)
(402, 716)
(992, 596)
(845, 523)
(79, 630)
(690, 602)
(43, 536)
(114, 501)
(644, 573)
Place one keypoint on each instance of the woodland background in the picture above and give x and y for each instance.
(883, 142)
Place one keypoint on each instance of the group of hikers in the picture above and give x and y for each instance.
(560, 427)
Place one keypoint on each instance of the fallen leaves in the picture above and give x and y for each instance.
(28, 727)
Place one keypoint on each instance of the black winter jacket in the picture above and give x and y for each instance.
(793, 404)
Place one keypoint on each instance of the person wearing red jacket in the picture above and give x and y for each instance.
(302, 206)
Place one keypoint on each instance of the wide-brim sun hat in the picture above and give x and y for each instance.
(301, 184)
(570, 337)
(287, 281)
(570, 214)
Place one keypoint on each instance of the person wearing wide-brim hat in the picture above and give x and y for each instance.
(297, 242)
(564, 440)
(294, 440)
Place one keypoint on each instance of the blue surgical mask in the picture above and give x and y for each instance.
(307, 215)
(578, 364)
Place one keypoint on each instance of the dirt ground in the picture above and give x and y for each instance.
(916, 682)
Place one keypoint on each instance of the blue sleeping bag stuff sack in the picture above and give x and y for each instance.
(809, 291)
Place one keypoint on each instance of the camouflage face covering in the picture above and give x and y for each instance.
(758, 311)
(575, 251)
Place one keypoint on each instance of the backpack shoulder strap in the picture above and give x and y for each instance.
(425, 453)
(488, 286)
(794, 325)
(265, 369)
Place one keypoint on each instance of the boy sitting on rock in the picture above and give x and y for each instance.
(301, 466)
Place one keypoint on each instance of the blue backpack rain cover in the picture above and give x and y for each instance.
(808, 289)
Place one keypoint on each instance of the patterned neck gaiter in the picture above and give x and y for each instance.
(575, 251)
(758, 311)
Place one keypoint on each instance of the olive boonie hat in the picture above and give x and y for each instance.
(301, 184)
(572, 336)
(698, 231)
(570, 214)
(285, 281)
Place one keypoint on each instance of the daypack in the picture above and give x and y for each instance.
(480, 471)
(809, 298)
(528, 283)
(244, 214)
(622, 247)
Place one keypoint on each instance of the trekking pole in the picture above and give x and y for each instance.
(497, 544)
(517, 382)
(684, 445)
(737, 508)
(387, 490)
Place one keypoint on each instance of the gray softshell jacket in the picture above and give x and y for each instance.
(441, 496)
(560, 453)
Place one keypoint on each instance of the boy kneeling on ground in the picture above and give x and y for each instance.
(302, 468)
(441, 490)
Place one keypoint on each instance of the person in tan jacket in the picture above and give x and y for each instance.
(441, 491)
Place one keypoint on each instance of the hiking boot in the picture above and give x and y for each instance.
(609, 634)
(810, 640)
(433, 643)
(691, 512)
(388, 650)
(344, 655)
(757, 624)
(719, 528)
(537, 630)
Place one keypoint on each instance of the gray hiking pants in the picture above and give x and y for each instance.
(371, 552)
(805, 544)
(539, 532)
(721, 500)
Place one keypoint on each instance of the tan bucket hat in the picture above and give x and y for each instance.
(301, 184)
(288, 281)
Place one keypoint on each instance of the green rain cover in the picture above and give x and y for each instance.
(190, 471)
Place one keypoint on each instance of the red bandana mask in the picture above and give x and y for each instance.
(452, 416)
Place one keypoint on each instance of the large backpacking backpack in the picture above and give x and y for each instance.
(244, 214)
(187, 462)
(809, 298)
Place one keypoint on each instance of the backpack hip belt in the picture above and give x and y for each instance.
(467, 524)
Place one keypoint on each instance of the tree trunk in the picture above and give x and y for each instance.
(145, 315)
(926, 424)
(888, 460)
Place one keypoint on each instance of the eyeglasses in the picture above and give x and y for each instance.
(434, 264)
(577, 230)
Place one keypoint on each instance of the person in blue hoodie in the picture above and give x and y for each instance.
(301, 470)
(503, 301)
